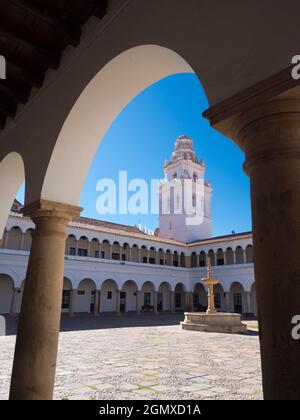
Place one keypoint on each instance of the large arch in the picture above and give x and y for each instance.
(140, 67)
(85, 298)
(128, 298)
(12, 175)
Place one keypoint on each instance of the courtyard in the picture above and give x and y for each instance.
(146, 357)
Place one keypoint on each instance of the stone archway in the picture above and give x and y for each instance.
(128, 298)
(164, 297)
(85, 299)
(109, 296)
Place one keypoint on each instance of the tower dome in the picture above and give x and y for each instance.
(184, 150)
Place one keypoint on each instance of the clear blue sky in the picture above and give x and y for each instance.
(143, 136)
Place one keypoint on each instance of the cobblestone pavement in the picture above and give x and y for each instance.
(147, 357)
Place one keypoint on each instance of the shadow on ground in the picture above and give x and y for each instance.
(106, 321)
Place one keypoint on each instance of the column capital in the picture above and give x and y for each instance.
(270, 130)
(51, 209)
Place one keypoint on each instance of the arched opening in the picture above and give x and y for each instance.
(71, 245)
(14, 238)
(168, 257)
(220, 257)
(148, 301)
(239, 255)
(105, 250)
(66, 297)
(108, 296)
(202, 259)
(128, 297)
(116, 251)
(12, 175)
(249, 254)
(229, 256)
(144, 255)
(135, 253)
(6, 293)
(182, 260)
(85, 299)
(95, 248)
(180, 297)
(175, 259)
(122, 79)
(164, 297)
(161, 256)
(194, 260)
(200, 298)
(211, 256)
(220, 301)
(152, 255)
(27, 240)
(238, 300)
(126, 252)
(83, 247)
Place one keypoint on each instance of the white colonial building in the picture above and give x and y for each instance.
(117, 268)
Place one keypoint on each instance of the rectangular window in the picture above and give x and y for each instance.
(161, 262)
(145, 260)
(97, 254)
(80, 292)
(72, 251)
(220, 261)
(175, 263)
(123, 257)
(82, 252)
(109, 295)
(151, 260)
(147, 299)
(103, 254)
(115, 256)
(66, 299)
(202, 264)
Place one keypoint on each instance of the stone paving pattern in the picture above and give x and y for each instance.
(147, 357)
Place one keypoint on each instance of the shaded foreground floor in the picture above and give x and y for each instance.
(147, 357)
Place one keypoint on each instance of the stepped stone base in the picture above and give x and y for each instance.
(219, 323)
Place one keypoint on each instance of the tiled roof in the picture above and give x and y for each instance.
(109, 225)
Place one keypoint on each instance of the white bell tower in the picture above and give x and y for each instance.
(185, 196)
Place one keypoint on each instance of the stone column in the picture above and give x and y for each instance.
(76, 247)
(73, 294)
(172, 301)
(96, 306)
(189, 304)
(155, 302)
(89, 249)
(118, 310)
(248, 299)
(227, 301)
(269, 134)
(138, 301)
(34, 366)
(13, 306)
(234, 256)
(22, 239)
